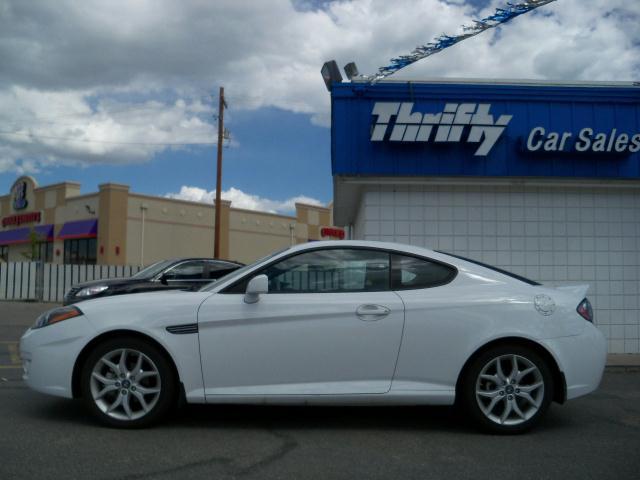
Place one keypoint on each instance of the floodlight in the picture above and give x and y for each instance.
(331, 73)
(351, 70)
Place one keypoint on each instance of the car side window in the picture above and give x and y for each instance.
(186, 271)
(326, 270)
(330, 270)
(215, 270)
(409, 272)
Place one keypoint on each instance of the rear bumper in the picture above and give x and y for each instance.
(581, 359)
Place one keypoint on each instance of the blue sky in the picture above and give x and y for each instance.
(273, 154)
(99, 92)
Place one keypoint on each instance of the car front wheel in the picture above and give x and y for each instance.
(507, 389)
(128, 383)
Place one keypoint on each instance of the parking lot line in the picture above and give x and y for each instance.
(14, 356)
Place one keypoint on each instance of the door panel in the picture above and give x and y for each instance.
(300, 343)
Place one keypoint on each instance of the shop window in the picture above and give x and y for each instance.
(80, 251)
(43, 252)
(4, 253)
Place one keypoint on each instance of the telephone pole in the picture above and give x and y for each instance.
(221, 106)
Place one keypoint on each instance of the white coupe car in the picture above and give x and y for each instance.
(347, 322)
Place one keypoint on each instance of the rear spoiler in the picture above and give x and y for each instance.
(580, 291)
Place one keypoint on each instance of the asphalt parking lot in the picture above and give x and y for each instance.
(596, 437)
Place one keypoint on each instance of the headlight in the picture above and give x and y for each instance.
(57, 315)
(90, 291)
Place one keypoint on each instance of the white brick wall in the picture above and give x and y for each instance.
(553, 235)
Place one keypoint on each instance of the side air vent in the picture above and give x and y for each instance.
(183, 329)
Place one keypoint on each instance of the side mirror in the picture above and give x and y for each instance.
(163, 279)
(257, 285)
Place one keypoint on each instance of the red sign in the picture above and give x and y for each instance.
(31, 217)
(332, 232)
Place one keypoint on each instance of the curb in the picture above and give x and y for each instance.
(623, 360)
(622, 368)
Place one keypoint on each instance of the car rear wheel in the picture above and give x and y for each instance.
(507, 389)
(128, 383)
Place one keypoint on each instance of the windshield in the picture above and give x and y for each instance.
(153, 269)
(241, 271)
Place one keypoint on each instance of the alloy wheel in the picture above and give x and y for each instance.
(510, 389)
(125, 384)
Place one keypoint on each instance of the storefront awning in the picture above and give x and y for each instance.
(21, 235)
(79, 229)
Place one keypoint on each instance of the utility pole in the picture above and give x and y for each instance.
(221, 107)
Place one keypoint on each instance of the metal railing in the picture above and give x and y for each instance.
(48, 282)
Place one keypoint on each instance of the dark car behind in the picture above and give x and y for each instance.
(175, 274)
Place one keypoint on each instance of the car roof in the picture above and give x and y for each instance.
(208, 259)
(461, 263)
(469, 268)
(363, 243)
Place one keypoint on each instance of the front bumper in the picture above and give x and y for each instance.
(48, 355)
(581, 359)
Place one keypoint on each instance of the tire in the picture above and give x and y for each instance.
(128, 383)
(499, 400)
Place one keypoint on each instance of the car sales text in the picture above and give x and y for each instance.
(586, 141)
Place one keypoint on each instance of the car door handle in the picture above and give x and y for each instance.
(369, 312)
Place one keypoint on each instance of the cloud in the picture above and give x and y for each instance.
(63, 128)
(240, 199)
(95, 81)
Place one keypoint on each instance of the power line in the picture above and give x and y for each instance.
(129, 108)
(91, 112)
(48, 120)
(69, 139)
(79, 123)
(92, 116)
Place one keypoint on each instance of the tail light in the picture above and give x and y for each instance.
(585, 310)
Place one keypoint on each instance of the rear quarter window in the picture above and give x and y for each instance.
(495, 269)
(409, 273)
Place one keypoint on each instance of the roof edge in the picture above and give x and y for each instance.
(502, 81)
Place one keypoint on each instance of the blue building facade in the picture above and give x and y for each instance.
(404, 128)
(539, 179)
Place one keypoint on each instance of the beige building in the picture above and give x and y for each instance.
(117, 227)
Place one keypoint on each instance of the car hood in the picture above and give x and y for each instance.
(111, 282)
(145, 310)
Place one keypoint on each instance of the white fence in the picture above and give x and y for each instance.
(48, 282)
